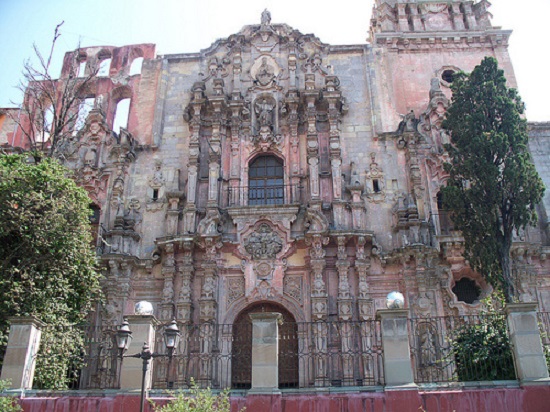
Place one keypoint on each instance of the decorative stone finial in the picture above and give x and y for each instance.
(395, 300)
(143, 308)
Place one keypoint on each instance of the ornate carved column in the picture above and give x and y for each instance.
(344, 309)
(319, 306)
(208, 303)
(185, 271)
(365, 303)
(194, 150)
(168, 272)
(117, 288)
(292, 101)
(344, 295)
(333, 96)
(174, 196)
(237, 106)
(311, 96)
(219, 103)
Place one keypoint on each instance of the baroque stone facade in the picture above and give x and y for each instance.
(272, 167)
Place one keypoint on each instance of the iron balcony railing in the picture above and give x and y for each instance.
(266, 195)
(444, 222)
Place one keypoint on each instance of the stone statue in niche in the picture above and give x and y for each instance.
(263, 243)
(408, 124)
(157, 180)
(264, 112)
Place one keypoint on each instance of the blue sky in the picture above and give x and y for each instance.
(179, 26)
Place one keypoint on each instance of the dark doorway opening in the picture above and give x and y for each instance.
(241, 366)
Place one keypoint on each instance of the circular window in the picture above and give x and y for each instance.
(447, 75)
(467, 291)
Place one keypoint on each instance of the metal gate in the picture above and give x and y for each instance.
(241, 366)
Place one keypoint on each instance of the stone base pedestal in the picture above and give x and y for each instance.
(143, 331)
(20, 356)
(265, 352)
(526, 344)
(397, 353)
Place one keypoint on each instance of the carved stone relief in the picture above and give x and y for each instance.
(293, 287)
(235, 289)
(263, 243)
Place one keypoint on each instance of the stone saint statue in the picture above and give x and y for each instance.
(266, 17)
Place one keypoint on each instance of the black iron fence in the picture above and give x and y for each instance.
(204, 356)
(544, 327)
(268, 194)
(461, 348)
(77, 357)
(336, 354)
(311, 354)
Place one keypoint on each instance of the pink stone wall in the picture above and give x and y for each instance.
(527, 399)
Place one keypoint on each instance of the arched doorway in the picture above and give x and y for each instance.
(241, 366)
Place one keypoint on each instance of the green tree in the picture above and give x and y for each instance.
(493, 186)
(47, 263)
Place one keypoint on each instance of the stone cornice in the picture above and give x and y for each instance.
(443, 39)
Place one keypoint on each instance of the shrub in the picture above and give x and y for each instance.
(8, 403)
(482, 351)
(198, 400)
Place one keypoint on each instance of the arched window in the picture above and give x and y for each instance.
(446, 224)
(135, 68)
(104, 66)
(121, 115)
(86, 105)
(82, 68)
(266, 181)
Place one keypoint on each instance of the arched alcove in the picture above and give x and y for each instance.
(241, 366)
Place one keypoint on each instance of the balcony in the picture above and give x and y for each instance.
(262, 195)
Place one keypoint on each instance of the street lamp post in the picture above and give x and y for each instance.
(124, 337)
